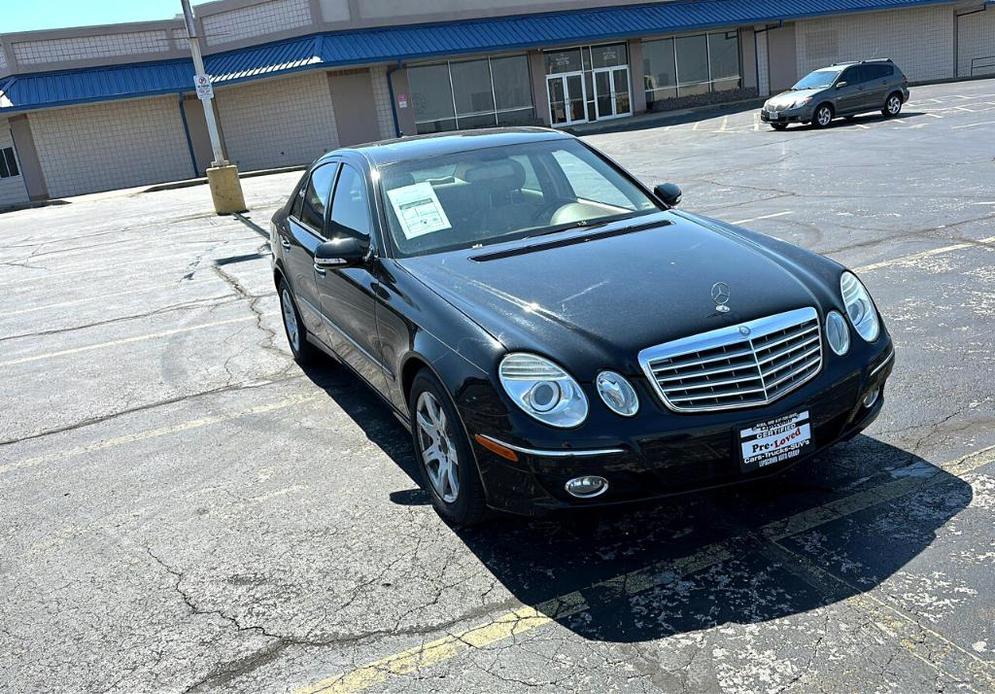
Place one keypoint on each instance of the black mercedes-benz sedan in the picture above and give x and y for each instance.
(557, 335)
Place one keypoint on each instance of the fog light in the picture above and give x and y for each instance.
(586, 487)
(872, 397)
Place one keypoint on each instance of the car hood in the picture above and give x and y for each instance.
(786, 100)
(595, 303)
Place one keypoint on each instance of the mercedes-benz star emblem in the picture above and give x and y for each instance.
(720, 295)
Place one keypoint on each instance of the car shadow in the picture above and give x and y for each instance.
(831, 528)
(862, 119)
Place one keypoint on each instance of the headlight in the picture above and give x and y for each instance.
(617, 393)
(802, 102)
(543, 390)
(859, 307)
(837, 333)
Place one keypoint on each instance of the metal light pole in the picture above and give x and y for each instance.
(222, 176)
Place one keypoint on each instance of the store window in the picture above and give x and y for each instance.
(691, 65)
(8, 163)
(458, 95)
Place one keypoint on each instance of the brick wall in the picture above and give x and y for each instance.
(256, 20)
(89, 47)
(381, 93)
(919, 40)
(118, 144)
(278, 122)
(976, 39)
(11, 188)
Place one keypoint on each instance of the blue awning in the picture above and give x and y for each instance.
(392, 44)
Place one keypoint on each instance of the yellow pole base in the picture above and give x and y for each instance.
(226, 189)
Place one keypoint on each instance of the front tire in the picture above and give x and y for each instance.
(303, 351)
(823, 116)
(892, 106)
(445, 458)
(780, 127)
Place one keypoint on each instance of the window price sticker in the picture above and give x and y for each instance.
(418, 210)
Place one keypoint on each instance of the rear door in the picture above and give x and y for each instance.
(347, 294)
(879, 79)
(304, 225)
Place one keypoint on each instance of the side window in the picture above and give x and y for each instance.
(851, 76)
(350, 207)
(316, 196)
(878, 72)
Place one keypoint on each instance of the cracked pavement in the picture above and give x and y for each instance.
(182, 508)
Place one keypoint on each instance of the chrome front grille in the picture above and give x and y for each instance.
(744, 365)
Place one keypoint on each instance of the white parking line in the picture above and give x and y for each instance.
(66, 453)
(765, 216)
(925, 254)
(101, 297)
(973, 125)
(123, 341)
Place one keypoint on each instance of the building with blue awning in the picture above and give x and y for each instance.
(94, 108)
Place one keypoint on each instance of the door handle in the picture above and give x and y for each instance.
(285, 243)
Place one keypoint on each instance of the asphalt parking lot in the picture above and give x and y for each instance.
(183, 509)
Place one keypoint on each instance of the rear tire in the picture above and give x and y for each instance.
(823, 116)
(892, 106)
(303, 351)
(445, 458)
(780, 127)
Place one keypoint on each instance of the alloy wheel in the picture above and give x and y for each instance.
(824, 116)
(894, 105)
(436, 447)
(290, 320)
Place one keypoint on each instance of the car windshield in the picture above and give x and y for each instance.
(820, 79)
(483, 196)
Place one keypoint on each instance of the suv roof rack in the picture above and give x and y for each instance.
(859, 62)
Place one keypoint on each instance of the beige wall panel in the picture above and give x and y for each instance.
(117, 144)
(919, 40)
(278, 122)
(781, 54)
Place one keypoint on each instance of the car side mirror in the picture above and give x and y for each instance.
(669, 194)
(840, 85)
(347, 251)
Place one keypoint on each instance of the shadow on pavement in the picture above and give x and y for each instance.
(830, 528)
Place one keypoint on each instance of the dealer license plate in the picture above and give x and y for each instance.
(775, 440)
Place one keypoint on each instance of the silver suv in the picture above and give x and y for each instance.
(843, 89)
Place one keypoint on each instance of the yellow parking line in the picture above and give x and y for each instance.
(123, 341)
(660, 573)
(915, 257)
(66, 453)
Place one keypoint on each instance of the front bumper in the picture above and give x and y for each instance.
(802, 114)
(659, 453)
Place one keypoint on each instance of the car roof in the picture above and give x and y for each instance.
(414, 147)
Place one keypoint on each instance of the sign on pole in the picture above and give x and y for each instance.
(205, 91)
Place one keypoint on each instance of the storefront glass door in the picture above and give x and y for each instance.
(611, 89)
(567, 96)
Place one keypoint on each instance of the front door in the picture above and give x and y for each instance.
(346, 294)
(300, 239)
(611, 89)
(567, 98)
(850, 98)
